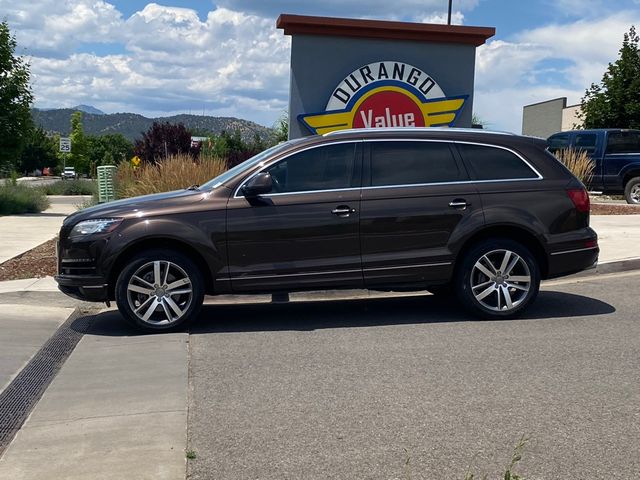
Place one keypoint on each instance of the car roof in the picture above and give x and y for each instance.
(474, 135)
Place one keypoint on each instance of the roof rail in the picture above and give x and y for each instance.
(415, 129)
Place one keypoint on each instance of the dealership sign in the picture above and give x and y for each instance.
(386, 94)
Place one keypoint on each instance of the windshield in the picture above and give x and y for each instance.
(246, 165)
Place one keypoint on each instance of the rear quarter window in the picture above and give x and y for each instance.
(494, 163)
(623, 142)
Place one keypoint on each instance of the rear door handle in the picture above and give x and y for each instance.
(343, 210)
(459, 204)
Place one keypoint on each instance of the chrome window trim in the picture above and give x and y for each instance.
(574, 251)
(413, 185)
(540, 177)
(346, 131)
(268, 164)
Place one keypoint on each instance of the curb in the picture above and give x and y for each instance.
(610, 267)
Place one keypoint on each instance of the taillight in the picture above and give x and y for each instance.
(580, 199)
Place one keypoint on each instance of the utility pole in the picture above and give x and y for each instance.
(449, 17)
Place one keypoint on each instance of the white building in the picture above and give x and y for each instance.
(543, 119)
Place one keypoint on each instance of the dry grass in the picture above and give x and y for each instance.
(578, 163)
(174, 173)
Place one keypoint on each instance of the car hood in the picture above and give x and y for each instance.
(139, 206)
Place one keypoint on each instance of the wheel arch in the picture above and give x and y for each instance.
(511, 232)
(634, 172)
(165, 244)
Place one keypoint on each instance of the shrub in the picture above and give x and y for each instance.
(174, 173)
(71, 187)
(15, 199)
(578, 162)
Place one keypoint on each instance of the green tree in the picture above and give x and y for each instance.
(615, 102)
(114, 147)
(78, 158)
(281, 128)
(15, 100)
(40, 150)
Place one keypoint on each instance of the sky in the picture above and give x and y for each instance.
(226, 57)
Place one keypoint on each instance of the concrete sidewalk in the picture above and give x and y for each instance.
(618, 236)
(116, 410)
(20, 233)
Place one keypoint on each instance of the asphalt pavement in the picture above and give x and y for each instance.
(412, 388)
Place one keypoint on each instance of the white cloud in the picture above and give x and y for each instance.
(54, 28)
(231, 63)
(512, 74)
(410, 10)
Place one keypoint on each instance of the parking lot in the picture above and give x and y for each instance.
(392, 387)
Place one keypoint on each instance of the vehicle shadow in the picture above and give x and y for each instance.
(369, 312)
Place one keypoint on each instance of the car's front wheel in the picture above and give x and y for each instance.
(498, 278)
(159, 290)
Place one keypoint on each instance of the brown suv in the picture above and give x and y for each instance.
(480, 215)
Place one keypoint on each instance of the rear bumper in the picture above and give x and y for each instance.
(572, 261)
(572, 253)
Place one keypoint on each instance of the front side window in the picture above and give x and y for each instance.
(411, 163)
(492, 163)
(558, 142)
(323, 168)
(623, 142)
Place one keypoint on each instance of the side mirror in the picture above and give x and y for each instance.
(258, 185)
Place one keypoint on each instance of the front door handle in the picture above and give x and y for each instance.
(343, 210)
(459, 204)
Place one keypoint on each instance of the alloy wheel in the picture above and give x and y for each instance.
(159, 292)
(500, 280)
(635, 193)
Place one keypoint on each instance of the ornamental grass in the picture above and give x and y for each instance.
(176, 172)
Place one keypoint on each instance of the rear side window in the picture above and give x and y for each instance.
(558, 142)
(491, 163)
(586, 142)
(623, 142)
(323, 168)
(410, 163)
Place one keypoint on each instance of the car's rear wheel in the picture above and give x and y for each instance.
(159, 290)
(632, 191)
(498, 278)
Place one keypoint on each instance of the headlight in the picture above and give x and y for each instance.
(98, 225)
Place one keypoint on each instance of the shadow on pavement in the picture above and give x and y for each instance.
(375, 312)
(312, 315)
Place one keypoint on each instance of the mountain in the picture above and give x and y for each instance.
(88, 109)
(132, 125)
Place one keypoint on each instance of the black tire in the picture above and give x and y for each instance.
(632, 191)
(182, 273)
(469, 278)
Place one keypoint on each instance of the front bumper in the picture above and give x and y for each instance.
(86, 288)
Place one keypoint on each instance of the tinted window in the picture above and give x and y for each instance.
(405, 163)
(322, 168)
(490, 163)
(623, 142)
(558, 142)
(586, 142)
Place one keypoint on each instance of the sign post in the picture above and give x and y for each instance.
(65, 147)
